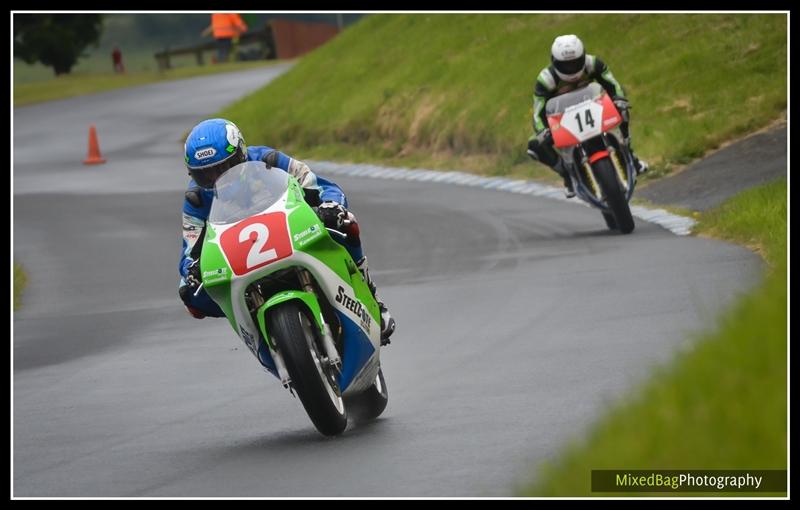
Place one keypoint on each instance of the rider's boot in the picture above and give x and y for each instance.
(387, 321)
(561, 168)
(639, 165)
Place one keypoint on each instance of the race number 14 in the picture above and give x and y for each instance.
(583, 120)
(588, 119)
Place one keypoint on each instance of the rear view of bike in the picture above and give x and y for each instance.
(584, 124)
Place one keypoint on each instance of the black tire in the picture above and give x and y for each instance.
(369, 404)
(615, 198)
(610, 221)
(297, 339)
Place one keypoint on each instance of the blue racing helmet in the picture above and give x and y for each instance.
(212, 147)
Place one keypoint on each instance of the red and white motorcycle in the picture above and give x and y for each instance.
(585, 128)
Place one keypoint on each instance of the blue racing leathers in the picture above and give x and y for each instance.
(197, 205)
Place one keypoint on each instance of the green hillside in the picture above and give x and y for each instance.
(456, 90)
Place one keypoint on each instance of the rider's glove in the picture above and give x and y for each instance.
(333, 215)
(304, 175)
(623, 106)
(270, 158)
(544, 137)
(193, 274)
(297, 169)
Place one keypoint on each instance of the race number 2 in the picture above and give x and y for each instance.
(256, 242)
(256, 257)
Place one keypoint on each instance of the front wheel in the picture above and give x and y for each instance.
(370, 403)
(606, 177)
(297, 339)
(610, 221)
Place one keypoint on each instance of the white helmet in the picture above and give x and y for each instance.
(568, 57)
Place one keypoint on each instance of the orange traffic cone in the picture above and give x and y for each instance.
(94, 156)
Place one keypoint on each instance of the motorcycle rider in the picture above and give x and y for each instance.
(212, 147)
(571, 68)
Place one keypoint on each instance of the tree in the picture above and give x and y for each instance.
(55, 40)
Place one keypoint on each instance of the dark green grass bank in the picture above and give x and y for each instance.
(455, 91)
(723, 403)
(20, 281)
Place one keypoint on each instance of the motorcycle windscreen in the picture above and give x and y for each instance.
(246, 189)
(559, 104)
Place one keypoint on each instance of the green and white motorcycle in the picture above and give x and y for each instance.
(294, 295)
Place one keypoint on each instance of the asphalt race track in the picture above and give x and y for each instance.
(519, 320)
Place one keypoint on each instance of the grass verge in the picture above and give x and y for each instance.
(20, 281)
(723, 403)
(72, 85)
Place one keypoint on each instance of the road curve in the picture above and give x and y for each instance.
(519, 320)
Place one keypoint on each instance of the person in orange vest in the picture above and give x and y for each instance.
(226, 29)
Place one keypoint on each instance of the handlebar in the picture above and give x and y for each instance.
(338, 233)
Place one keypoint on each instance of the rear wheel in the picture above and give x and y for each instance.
(615, 198)
(370, 403)
(314, 380)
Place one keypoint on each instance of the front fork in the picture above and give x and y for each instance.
(584, 168)
(624, 167)
(325, 330)
(309, 298)
(280, 365)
